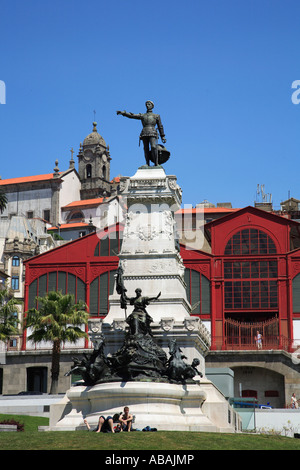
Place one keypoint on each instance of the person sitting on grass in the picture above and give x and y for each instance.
(104, 424)
(125, 420)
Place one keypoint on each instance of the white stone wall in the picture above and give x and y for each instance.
(36, 200)
(283, 422)
(70, 190)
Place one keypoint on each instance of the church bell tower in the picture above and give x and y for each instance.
(94, 166)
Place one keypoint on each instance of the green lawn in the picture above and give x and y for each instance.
(32, 439)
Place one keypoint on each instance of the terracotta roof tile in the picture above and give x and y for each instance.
(207, 210)
(84, 202)
(27, 179)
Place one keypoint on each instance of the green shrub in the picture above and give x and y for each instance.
(20, 426)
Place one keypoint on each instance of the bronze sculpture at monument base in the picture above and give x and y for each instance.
(139, 359)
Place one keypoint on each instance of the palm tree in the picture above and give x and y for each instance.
(3, 201)
(58, 320)
(8, 320)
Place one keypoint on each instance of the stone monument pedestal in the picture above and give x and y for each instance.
(166, 407)
(194, 406)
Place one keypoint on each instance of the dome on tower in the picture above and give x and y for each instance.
(94, 138)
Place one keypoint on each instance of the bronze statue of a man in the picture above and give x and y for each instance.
(149, 134)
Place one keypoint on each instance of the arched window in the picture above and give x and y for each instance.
(250, 242)
(104, 172)
(88, 170)
(56, 281)
(250, 283)
(198, 291)
(100, 290)
(16, 261)
(76, 215)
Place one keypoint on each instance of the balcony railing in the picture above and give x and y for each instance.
(238, 343)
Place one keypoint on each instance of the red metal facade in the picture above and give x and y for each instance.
(271, 285)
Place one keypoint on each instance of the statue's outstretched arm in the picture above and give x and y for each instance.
(150, 299)
(129, 115)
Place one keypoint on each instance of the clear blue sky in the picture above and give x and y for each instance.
(219, 72)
